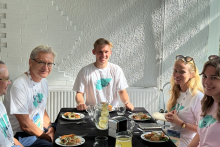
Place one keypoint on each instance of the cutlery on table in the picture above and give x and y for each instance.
(78, 135)
(79, 122)
(141, 130)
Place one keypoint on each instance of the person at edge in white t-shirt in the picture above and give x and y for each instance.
(27, 98)
(101, 81)
(184, 104)
(6, 133)
(209, 126)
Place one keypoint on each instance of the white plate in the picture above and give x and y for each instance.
(81, 116)
(57, 141)
(142, 136)
(130, 116)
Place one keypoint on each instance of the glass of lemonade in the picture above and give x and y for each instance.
(123, 139)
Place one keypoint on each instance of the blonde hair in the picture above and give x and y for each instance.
(194, 84)
(207, 101)
(102, 41)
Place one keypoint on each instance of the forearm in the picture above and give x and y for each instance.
(124, 96)
(27, 125)
(47, 121)
(79, 98)
(17, 142)
(189, 126)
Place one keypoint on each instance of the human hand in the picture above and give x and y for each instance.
(129, 106)
(172, 117)
(169, 116)
(81, 107)
(51, 133)
(176, 119)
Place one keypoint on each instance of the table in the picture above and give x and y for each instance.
(92, 131)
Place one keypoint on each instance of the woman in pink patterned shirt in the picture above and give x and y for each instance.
(209, 126)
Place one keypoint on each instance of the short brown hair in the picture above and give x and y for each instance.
(102, 41)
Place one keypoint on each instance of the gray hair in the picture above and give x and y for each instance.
(1, 62)
(42, 48)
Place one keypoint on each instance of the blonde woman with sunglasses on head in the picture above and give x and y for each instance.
(184, 104)
(209, 126)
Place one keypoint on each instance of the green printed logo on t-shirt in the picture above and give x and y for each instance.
(206, 121)
(178, 107)
(3, 127)
(102, 83)
(38, 99)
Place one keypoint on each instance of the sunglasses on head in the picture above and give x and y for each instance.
(213, 57)
(185, 58)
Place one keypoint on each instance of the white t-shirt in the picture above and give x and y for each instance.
(6, 134)
(209, 129)
(189, 110)
(26, 97)
(100, 85)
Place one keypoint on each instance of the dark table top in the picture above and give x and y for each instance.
(93, 132)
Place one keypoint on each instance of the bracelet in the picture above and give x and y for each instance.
(50, 126)
(126, 102)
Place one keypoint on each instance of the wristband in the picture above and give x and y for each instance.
(126, 102)
(50, 127)
(184, 124)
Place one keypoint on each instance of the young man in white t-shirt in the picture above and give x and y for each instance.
(6, 133)
(101, 81)
(27, 99)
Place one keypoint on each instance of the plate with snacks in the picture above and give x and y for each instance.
(70, 140)
(72, 116)
(110, 108)
(155, 136)
(139, 116)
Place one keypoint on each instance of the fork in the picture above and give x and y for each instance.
(78, 135)
(79, 122)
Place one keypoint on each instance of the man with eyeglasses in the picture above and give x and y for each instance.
(27, 98)
(6, 133)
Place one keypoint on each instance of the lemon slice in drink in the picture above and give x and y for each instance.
(104, 113)
(102, 124)
(104, 119)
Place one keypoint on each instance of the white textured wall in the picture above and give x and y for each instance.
(142, 32)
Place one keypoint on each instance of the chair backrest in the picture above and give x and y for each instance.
(166, 94)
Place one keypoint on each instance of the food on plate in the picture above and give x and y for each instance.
(156, 136)
(140, 116)
(71, 115)
(109, 107)
(71, 139)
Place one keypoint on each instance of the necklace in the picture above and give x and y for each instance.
(178, 109)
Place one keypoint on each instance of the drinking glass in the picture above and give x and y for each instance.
(101, 141)
(90, 110)
(130, 125)
(123, 139)
(121, 109)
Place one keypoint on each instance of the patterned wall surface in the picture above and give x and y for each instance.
(146, 34)
(127, 24)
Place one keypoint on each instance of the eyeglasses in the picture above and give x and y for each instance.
(213, 57)
(7, 79)
(44, 64)
(185, 58)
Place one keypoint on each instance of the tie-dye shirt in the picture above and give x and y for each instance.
(25, 96)
(5, 128)
(189, 111)
(100, 85)
(209, 129)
